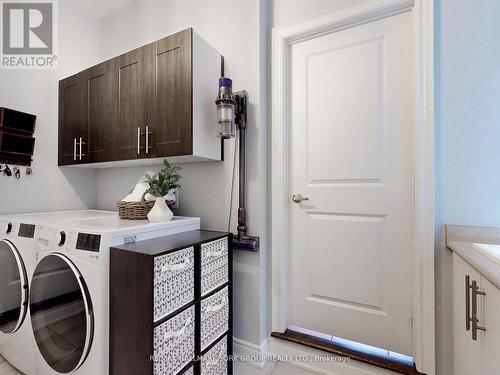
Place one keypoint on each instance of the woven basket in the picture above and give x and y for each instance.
(134, 210)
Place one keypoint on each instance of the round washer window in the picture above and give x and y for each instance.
(61, 313)
(13, 288)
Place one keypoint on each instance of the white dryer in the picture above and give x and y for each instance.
(17, 262)
(69, 300)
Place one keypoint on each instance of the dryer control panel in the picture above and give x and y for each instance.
(88, 242)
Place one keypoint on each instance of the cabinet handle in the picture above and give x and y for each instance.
(475, 319)
(468, 287)
(81, 143)
(138, 140)
(74, 149)
(147, 140)
(139, 133)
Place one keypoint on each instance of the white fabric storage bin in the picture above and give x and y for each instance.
(214, 317)
(173, 281)
(174, 343)
(214, 265)
(214, 362)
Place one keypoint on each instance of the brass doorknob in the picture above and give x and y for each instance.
(297, 198)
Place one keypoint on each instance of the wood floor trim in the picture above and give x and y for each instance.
(330, 347)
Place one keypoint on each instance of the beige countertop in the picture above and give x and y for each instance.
(460, 240)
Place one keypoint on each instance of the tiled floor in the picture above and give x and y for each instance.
(240, 368)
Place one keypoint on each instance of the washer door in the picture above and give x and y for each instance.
(61, 313)
(13, 288)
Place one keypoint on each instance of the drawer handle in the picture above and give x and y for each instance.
(176, 267)
(214, 253)
(219, 306)
(169, 335)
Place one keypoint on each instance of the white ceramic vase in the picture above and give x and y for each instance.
(160, 211)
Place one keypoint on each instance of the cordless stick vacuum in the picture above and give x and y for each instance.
(231, 110)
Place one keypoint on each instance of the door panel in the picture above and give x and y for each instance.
(102, 90)
(467, 352)
(132, 103)
(171, 97)
(72, 118)
(490, 320)
(350, 243)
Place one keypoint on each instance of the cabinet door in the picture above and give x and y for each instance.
(491, 321)
(170, 93)
(102, 93)
(72, 118)
(467, 352)
(131, 78)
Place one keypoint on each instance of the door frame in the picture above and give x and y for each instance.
(423, 299)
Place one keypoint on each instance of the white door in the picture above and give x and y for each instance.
(349, 258)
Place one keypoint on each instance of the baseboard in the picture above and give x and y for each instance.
(249, 353)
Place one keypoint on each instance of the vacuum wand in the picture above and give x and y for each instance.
(231, 104)
(242, 240)
(241, 122)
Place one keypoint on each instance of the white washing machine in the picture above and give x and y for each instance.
(18, 234)
(69, 299)
(17, 262)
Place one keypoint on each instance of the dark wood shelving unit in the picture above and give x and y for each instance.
(16, 137)
(136, 268)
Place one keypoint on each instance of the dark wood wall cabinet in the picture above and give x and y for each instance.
(16, 136)
(153, 102)
(171, 305)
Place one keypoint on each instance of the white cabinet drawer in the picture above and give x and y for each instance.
(174, 343)
(173, 282)
(214, 362)
(214, 265)
(214, 317)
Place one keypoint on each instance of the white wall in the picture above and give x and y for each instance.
(468, 136)
(285, 12)
(35, 91)
(235, 28)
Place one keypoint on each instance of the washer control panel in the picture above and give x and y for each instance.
(26, 230)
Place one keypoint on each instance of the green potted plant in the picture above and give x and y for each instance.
(160, 185)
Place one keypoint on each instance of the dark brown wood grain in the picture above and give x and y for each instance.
(101, 110)
(131, 313)
(332, 348)
(132, 81)
(170, 96)
(107, 104)
(72, 116)
(17, 121)
(163, 245)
